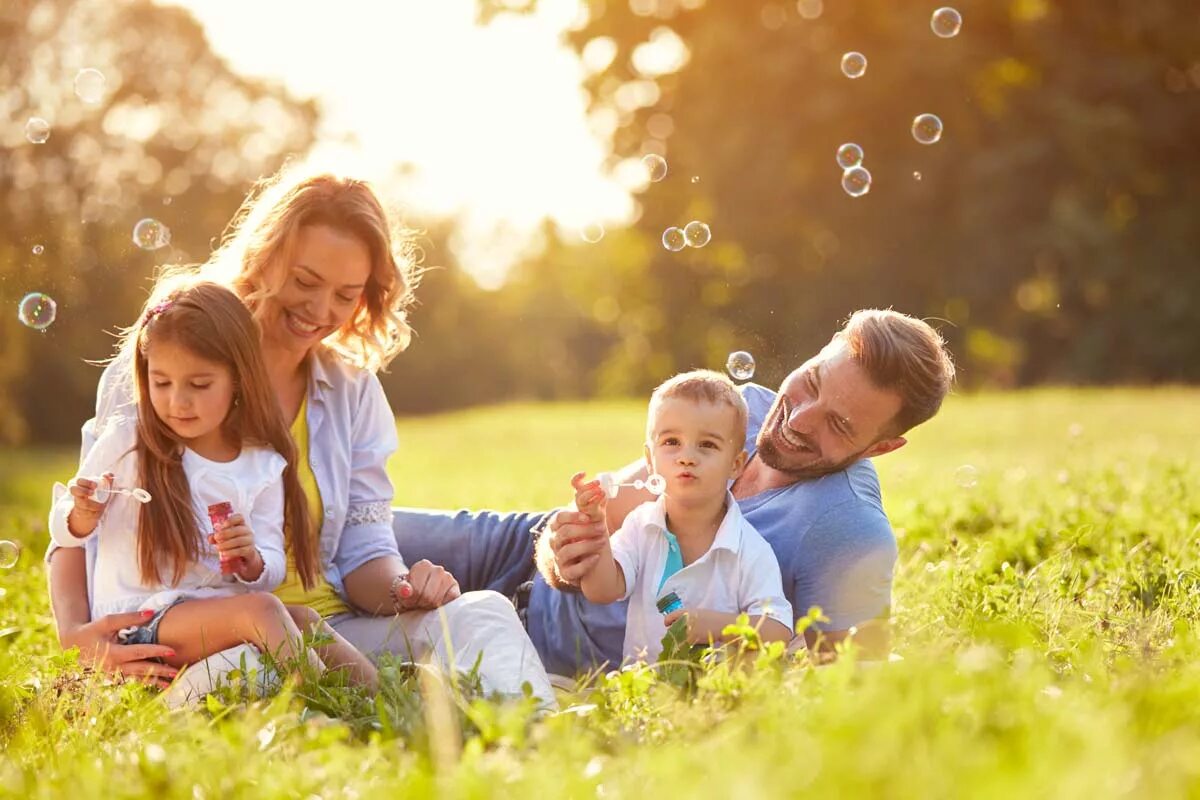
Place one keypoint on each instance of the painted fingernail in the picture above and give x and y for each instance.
(170, 654)
(405, 590)
(147, 614)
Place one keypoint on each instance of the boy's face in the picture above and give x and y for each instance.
(695, 446)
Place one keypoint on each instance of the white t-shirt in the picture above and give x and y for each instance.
(252, 483)
(737, 574)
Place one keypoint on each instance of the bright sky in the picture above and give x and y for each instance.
(492, 118)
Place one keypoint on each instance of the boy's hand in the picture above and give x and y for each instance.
(590, 499)
(86, 511)
(235, 546)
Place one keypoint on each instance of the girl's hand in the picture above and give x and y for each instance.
(590, 499)
(85, 513)
(235, 545)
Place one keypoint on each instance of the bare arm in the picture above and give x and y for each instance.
(424, 585)
(68, 590)
(705, 625)
(605, 583)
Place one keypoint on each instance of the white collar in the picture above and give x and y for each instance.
(729, 534)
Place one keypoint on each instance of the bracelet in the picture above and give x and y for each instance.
(392, 590)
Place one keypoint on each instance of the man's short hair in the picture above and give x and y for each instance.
(702, 386)
(901, 354)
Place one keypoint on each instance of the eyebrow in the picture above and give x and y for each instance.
(845, 421)
(317, 275)
(703, 434)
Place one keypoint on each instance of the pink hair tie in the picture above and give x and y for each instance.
(155, 310)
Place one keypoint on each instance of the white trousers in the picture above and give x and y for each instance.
(453, 637)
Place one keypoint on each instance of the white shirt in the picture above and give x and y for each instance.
(252, 483)
(738, 574)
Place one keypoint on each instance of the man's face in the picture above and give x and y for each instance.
(827, 415)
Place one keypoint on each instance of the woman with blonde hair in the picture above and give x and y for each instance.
(329, 282)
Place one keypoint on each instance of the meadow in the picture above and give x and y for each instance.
(1045, 639)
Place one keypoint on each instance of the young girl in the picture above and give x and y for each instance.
(206, 441)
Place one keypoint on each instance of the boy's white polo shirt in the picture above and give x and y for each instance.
(739, 573)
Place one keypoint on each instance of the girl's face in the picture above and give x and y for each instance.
(322, 289)
(191, 395)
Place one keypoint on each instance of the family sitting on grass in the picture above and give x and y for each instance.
(245, 407)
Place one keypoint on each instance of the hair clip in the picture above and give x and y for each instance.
(155, 310)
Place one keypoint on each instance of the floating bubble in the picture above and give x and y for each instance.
(854, 64)
(927, 128)
(150, 234)
(89, 85)
(37, 311)
(656, 167)
(592, 233)
(966, 476)
(916, 176)
(849, 155)
(38, 249)
(674, 239)
(168, 200)
(810, 9)
(856, 181)
(695, 179)
(37, 130)
(740, 365)
(9, 553)
(946, 22)
(696, 234)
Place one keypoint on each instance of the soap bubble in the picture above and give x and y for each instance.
(946, 22)
(696, 234)
(810, 9)
(740, 365)
(856, 181)
(9, 553)
(674, 239)
(592, 232)
(916, 176)
(89, 85)
(656, 167)
(37, 311)
(695, 179)
(927, 128)
(37, 130)
(849, 155)
(854, 64)
(38, 249)
(150, 234)
(966, 476)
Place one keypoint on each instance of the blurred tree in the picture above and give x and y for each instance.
(175, 136)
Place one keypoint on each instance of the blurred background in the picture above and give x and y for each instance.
(1051, 233)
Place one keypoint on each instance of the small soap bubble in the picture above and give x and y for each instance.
(946, 22)
(695, 179)
(592, 233)
(38, 249)
(168, 200)
(810, 9)
(740, 365)
(89, 85)
(916, 176)
(696, 234)
(849, 155)
(656, 167)
(150, 234)
(674, 239)
(37, 311)
(856, 181)
(927, 128)
(854, 64)
(966, 476)
(9, 553)
(37, 130)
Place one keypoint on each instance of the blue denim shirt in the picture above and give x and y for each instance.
(352, 433)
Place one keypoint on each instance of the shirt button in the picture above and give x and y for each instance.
(329, 512)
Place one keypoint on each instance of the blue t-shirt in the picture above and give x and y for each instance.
(834, 543)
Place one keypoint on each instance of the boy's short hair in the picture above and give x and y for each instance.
(701, 386)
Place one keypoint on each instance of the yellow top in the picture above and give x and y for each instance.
(322, 598)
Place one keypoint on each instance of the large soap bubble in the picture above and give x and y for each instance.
(927, 128)
(854, 65)
(37, 310)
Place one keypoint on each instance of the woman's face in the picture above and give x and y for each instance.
(321, 290)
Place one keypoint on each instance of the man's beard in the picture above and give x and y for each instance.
(773, 457)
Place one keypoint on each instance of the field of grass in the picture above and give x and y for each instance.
(1046, 641)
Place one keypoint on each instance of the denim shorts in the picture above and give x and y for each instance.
(147, 633)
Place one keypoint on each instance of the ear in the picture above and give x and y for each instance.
(884, 446)
(739, 464)
(649, 458)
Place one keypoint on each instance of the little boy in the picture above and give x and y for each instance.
(692, 541)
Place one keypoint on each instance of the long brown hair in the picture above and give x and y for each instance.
(210, 321)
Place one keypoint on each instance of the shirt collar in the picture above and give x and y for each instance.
(729, 534)
(318, 370)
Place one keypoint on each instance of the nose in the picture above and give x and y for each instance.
(318, 306)
(801, 417)
(181, 401)
(686, 457)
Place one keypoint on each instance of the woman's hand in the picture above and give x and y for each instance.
(430, 586)
(99, 650)
(235, 546)
(85, 513)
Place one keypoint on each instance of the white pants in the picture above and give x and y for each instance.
(452, 636)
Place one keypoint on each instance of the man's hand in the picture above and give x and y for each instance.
(99, 650)
(429, 586)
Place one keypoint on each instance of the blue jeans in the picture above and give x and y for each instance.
(488, 550)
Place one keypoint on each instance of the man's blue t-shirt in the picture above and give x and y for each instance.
(834, 543)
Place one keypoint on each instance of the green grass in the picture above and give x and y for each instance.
(1045, 618)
